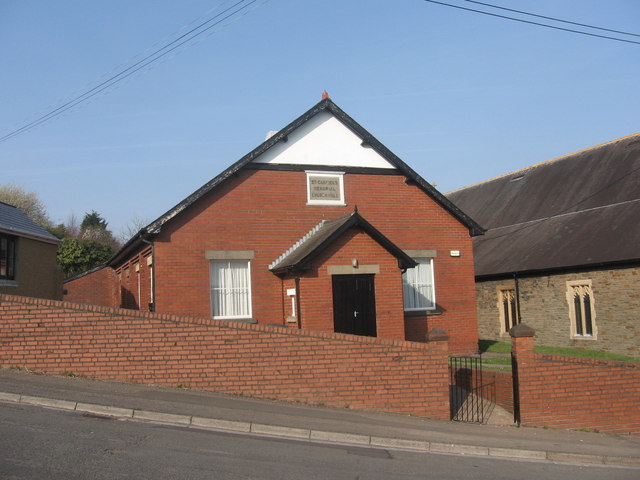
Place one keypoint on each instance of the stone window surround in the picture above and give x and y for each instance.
(570, 293)
(430, 254)
(248, 255)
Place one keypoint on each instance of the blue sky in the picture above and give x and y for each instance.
(460, 97)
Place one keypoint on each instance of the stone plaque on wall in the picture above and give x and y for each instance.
(325, 188)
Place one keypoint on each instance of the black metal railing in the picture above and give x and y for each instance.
(471, 400)
(516, 389)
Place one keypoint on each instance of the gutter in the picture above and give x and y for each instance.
(32, 236)
(616, 264)
(131, 245)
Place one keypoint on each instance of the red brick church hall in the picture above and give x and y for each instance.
(320, 227)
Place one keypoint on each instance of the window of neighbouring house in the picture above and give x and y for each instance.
(7, 257)
(325, 188)
(230, 288)
(418, 286)
(581, 309)
(508, 308)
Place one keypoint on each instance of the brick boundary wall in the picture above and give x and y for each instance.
(577, 393)
(497, 386)
(502, 386)
(260, 361)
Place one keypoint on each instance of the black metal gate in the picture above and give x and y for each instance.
(470, 399)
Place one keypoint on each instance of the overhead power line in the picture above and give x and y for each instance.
(231, 12)
(555, 27)
(554, 19)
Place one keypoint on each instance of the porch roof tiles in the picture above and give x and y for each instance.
(301, 254)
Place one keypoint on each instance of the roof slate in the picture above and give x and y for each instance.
(299, 256)
(581, 209)
(15, 222)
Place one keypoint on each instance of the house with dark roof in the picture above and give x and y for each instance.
(562, 248)
(28, 264)
(319, 227)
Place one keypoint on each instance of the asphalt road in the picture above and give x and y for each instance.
(49, 444)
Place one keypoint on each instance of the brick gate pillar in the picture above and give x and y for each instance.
(521, 357)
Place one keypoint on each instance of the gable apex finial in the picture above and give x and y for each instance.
(325, 95)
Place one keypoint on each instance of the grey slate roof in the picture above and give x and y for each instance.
(578, 210)
(14, 222)
(299, 256)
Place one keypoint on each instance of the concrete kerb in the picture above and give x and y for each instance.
(104, 410)
(318, 435)
(48, 402)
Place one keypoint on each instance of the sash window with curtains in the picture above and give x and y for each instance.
(418, 286)
(230, 289)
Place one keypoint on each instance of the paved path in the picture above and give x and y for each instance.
(194, 409)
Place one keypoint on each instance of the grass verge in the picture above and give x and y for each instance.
(492, 346)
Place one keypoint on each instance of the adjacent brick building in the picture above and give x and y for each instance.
(320, 227)
(562, 249)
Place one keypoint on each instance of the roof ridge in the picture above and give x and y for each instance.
(298, 244)
(545, 162)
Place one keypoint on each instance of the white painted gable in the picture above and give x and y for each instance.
(323, 140)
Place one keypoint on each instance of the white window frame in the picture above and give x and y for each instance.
(334, 175)
(430, 284)
(246, 291)
(573, 287)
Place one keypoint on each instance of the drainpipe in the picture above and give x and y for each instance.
(517, 282)
(298, 311)
(152, 305)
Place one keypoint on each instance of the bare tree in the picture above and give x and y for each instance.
(27, 202)
(73, 225)
(132, 227)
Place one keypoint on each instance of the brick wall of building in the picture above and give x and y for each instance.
(544, 307)
(266, 212)
(316, 287)
(261, 361)
(98, 288)
(577, 393)
(134, 281)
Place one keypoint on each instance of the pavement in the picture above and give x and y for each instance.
(242, 415)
